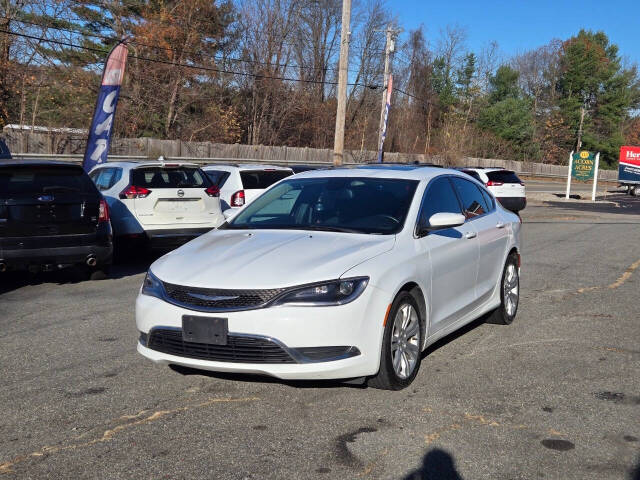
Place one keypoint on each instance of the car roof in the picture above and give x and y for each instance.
(408, 172)
(37, 163)
(152, 163)
(485, 169)
(245, 166)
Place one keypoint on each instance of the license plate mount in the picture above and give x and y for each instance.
(211, 330)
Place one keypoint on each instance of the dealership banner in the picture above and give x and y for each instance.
(386, 118)
(101, 126)
(629, 168)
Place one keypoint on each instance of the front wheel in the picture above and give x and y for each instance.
(509, 293)
(401, 353)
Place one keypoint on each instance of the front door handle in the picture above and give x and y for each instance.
(499, 225)
(470, 235)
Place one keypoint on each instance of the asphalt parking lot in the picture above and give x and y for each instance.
(556, 395)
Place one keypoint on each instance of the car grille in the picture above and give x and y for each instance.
(204, 298)
(238, 349)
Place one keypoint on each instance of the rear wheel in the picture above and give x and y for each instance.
(634, 191)
(401, 353)
(509, 293)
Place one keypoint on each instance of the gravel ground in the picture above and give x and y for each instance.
(555, 395)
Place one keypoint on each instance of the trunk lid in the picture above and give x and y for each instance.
(177, 195)
(37, 200)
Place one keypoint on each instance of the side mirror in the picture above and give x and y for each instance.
(440, 221)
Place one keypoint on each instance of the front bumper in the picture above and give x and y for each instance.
(357, 324)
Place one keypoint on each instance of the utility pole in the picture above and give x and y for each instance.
(389, 49)
(338, 144)
(579, 143)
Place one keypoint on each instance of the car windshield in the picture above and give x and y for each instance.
(34, 179)
(503, 176)
(169, 177)
(339, 204)
(261, 179)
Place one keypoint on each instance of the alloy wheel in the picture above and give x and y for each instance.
(511, 290)
(405, 341)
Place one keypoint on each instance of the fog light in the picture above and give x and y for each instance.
(346, 288)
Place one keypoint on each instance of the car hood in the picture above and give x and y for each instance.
(256, 259)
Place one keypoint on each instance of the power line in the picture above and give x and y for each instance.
(169, 49)
(185, 65)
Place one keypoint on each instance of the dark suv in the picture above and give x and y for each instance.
(52, 216)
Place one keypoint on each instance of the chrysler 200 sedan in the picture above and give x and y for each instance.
(335, 274)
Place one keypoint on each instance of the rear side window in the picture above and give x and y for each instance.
(473, 203)
(106, 178)
(438, 198)
(503, 176)
(162, 177)
(34, 179)
(261, 179)
(488, 199)
(217, 177)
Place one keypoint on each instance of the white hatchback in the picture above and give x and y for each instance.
(165, 203)
(239, 184)
(504, 184)
(346, 273)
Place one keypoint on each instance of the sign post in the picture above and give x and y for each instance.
(569, 174)
(595, 178)
(582, 166)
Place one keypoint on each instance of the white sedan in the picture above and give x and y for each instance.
(344, 273)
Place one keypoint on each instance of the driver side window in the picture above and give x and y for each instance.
(439, 197)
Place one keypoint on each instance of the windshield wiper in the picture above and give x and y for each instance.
(327, 228)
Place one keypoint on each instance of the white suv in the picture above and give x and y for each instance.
(239, 184)
(165, 203)
(504, 184)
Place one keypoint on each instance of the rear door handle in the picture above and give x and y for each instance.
(470, 235)
(499, 225)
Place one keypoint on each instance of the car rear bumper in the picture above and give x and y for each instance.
(172, 238)
(56, 256)
(515, 204)
(356, 326)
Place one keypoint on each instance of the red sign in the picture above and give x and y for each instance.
(630, 156)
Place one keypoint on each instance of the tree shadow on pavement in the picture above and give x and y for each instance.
(436, 465)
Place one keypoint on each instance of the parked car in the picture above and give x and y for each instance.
(239, 184)
(339, 273)
(51, 217)
(165, 204)
(504, 184)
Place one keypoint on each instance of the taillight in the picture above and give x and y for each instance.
(237, 199)
(491, 183)
(103, 214)
(134, 192)
(213, 191)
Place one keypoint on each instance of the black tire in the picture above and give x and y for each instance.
(100, 272)
(501, 315)
(634, 191)
(387, 378)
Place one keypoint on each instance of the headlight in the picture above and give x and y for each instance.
(152, 286)
(337, 292)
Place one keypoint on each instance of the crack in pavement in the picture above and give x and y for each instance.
(7, 467)
(618, 283)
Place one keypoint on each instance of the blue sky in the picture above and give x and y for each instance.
(521, 25)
